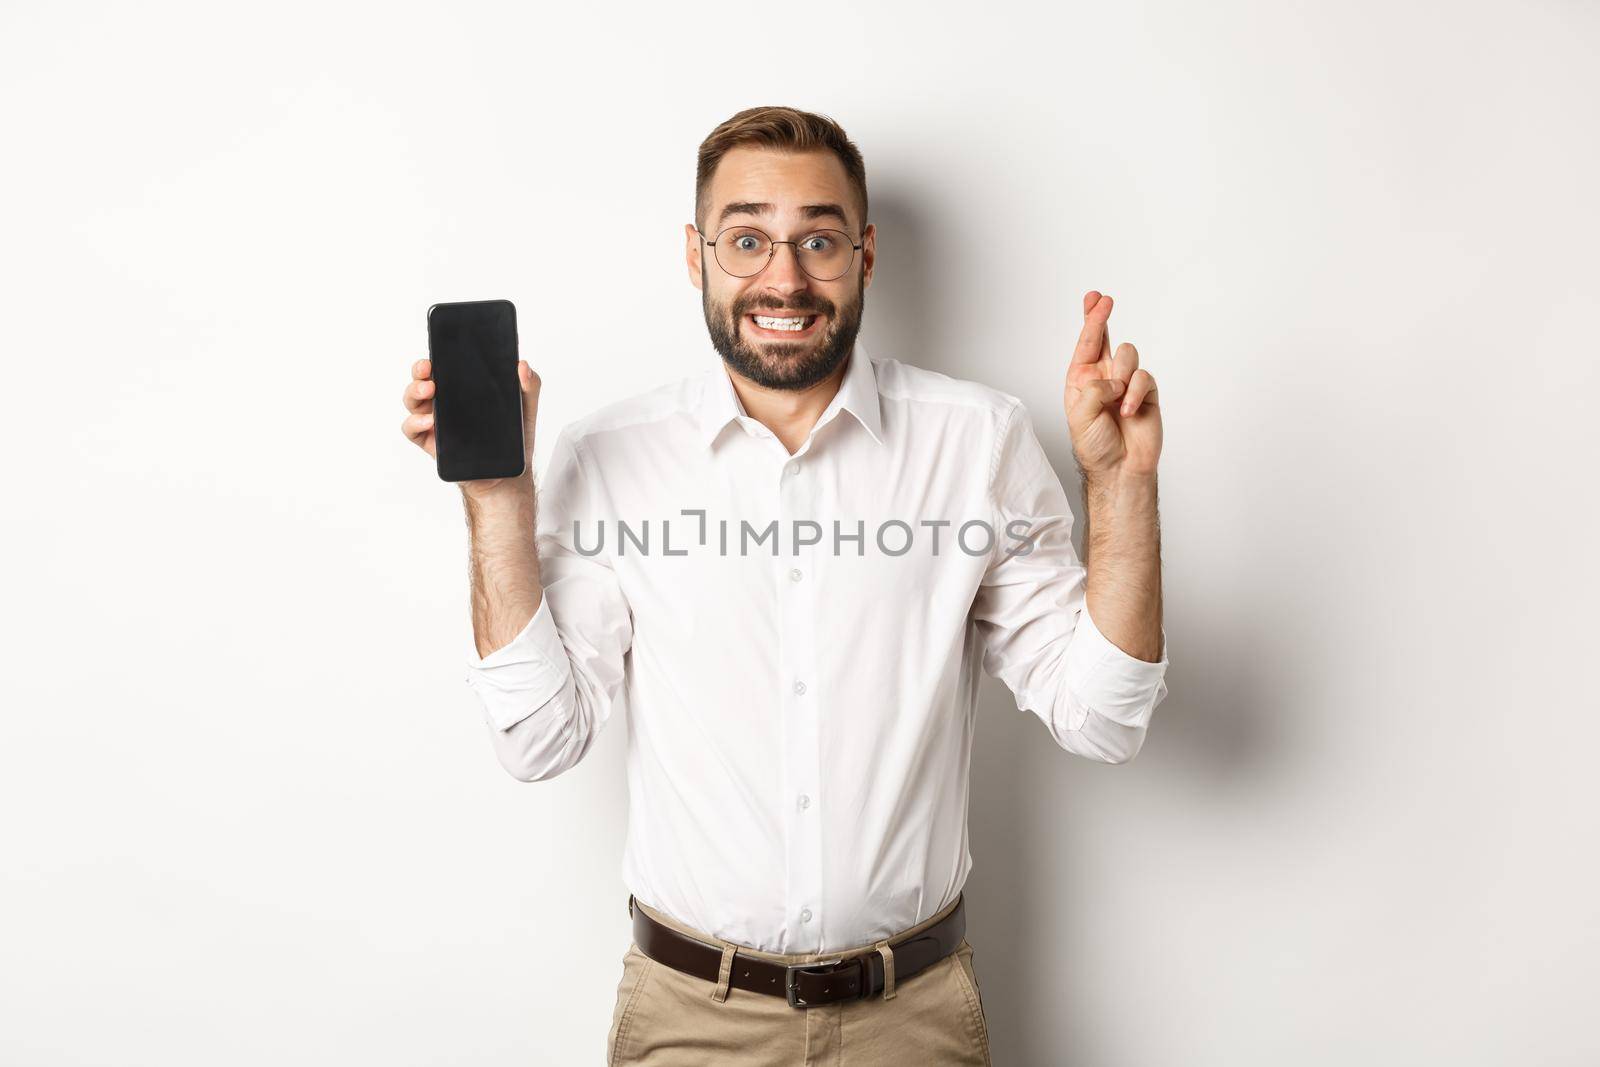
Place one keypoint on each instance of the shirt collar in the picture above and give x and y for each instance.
(858, 394)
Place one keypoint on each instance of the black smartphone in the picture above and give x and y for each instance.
(477, 396)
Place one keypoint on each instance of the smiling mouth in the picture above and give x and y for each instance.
(782, 327)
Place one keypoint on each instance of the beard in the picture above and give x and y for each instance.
(792, 365)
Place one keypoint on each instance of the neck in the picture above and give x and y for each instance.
(788, 413)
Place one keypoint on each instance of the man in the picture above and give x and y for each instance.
(790, 567)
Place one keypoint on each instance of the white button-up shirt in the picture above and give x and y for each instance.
(796, 640)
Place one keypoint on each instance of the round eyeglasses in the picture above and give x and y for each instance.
(745, 251)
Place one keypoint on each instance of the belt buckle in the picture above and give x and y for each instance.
(791, 991)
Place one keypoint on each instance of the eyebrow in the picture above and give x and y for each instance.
(808, 212)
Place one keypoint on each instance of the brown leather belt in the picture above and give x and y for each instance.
(802, 984)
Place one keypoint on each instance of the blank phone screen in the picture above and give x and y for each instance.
(477, 405)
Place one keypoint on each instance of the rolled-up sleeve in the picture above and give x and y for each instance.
(1032, 616)
(548, 693)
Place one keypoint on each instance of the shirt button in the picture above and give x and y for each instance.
(805, 801)
(795, 575)
(794, 468)
(805, 915)
(800, 687)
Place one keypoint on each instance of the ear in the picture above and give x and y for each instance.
(869, 253)
(691, 253)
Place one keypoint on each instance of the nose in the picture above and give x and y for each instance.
(783, 271)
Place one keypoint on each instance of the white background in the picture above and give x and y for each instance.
(250, 812)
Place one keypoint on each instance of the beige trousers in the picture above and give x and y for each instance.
(665, 1018)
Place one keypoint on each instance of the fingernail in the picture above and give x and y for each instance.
(1127, 409)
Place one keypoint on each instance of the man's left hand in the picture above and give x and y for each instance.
(1110, 402)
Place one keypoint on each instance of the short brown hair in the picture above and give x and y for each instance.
(782, 128)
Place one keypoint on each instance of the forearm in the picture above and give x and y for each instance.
(504, 563)
(1122, 553)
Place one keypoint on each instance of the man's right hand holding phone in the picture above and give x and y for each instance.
(500, 518)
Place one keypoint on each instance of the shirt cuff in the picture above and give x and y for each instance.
(1106, 679)
(518, 679)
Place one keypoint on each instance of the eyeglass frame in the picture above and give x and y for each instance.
(772, 250)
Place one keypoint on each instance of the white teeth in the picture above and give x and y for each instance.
(780, 324)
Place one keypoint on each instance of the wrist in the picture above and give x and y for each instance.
(1120, 477)
(502, 496)
(491, 491)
